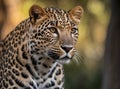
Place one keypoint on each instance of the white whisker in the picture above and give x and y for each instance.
(77, 58)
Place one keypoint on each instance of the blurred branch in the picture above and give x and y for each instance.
(2, 16)
(10, 14)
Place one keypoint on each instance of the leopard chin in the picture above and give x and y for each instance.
(57, 58)
(63, 61)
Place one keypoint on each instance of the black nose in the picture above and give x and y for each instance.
(66, 48)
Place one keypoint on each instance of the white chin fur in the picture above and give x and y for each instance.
(63, 61)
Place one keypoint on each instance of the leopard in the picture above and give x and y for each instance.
(34, 52)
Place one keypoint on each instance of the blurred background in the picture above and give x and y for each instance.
(87, 74)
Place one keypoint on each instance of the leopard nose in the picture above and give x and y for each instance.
(66, 48)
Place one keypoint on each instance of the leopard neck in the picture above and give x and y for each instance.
(37, 65)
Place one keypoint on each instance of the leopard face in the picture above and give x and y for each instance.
(54, 32)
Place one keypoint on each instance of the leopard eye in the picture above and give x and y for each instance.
(53, 29)
(74, 30)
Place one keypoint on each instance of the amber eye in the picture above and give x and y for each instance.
(74, 30)
(53, 29)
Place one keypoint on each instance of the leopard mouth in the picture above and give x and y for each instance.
(63, 60)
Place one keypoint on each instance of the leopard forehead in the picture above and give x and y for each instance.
(58, 14)
(62, 17)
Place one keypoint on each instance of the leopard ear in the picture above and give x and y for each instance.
(36, 12)
(76, 14)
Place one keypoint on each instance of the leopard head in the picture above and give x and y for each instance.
(54, 32)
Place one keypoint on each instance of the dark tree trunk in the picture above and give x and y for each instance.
(112, 49)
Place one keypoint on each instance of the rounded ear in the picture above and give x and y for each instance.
(76, 14)
(36, 12)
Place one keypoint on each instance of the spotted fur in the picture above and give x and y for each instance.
(33, 53)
